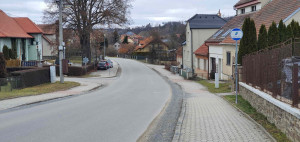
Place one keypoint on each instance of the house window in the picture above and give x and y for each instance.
(228, 57)
(253, 8)
(243, 11)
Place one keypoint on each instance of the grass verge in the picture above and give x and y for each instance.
(37, 90)
(245, 106)
(223, 87)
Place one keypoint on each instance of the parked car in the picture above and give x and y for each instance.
(103, 65)
(111, 65)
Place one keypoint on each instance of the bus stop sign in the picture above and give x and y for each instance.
(236, 34)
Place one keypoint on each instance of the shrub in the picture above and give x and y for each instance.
(12, 54)
(33, 77)
(248, 43)
(6, 52)
(262, 42)
(3, 73)
(273, 34)
(80, 71)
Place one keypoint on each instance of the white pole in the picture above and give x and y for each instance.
(60, 43)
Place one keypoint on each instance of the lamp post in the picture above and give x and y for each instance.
(60, 48)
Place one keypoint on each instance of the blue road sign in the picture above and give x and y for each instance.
(236, 34)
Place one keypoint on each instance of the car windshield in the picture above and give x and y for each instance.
(102, 63)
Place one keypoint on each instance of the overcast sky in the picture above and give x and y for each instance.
(142, 12)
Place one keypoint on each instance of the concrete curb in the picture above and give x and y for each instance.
(177, 133)
(49, 99)
(251, 119)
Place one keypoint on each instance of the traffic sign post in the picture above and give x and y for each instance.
(236, 34)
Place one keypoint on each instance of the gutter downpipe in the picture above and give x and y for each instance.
(192, 52)
(208, 77)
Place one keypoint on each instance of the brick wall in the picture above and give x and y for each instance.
(286, 118)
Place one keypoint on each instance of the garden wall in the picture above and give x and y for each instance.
(285, 117)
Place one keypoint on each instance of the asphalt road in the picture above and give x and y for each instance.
(121, 111)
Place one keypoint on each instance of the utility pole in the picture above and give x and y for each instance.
(60, 48)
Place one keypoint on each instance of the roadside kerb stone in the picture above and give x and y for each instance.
(12, 103)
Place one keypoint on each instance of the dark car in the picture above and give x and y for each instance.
(111, 65)
(103, 65)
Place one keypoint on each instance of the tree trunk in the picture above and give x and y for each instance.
(85, 46)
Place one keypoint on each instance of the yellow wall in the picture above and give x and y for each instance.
(227, 69)
(296, 17)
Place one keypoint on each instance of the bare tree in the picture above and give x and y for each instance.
(83, 15)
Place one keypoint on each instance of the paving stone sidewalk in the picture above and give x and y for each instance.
(206, 117)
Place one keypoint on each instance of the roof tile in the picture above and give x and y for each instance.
(10, 28)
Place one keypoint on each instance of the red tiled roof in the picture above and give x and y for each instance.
(235, 22)
(27, 25)
(143, 43)
(243, 2)
(48, 29)
(273, 11)
(202, 50)
(10, 28)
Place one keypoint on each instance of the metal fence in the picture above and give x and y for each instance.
(271, 70)
(10, 83)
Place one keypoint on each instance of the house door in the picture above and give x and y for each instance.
(23, 49)
(213, 65)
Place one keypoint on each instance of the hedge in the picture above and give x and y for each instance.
(77, 70)
(33, 77)
(80, 71)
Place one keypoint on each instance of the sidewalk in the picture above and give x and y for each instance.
(207, 117)
(86, 84)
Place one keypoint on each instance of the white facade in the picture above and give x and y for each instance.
(31, 50)
(194, 39)
(216, 54)
(251, 7)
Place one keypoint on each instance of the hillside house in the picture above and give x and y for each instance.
(21, 35)
(151, 47)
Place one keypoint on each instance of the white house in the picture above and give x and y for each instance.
(49, 40)
(21, 35)
(198, 29)
(222, 47)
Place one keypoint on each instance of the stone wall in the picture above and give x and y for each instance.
(286, 118)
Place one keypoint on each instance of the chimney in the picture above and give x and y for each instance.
(219, 13)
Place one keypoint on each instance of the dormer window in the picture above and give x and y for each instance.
(253, 8)
(243, 11)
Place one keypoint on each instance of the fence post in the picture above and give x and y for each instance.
(293, 46)
(295, 85)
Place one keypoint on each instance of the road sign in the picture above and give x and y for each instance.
(236, 34)
(85, 60)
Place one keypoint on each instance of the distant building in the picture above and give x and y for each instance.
(49, 40)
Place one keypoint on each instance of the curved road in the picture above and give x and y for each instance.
(121, 111)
